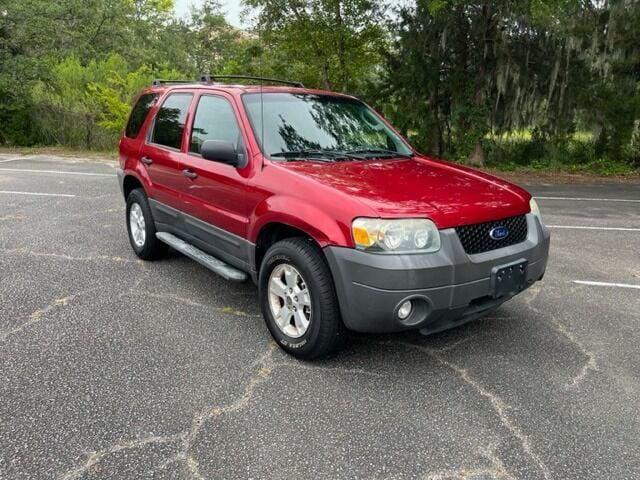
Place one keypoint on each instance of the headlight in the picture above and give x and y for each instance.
(533, 205)
(411, 235)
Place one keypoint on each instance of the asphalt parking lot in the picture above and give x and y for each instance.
(115, 368)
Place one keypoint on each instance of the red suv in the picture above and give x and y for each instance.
(315, 197)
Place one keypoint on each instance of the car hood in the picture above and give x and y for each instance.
(449, 194)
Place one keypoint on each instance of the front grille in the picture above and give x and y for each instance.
(476, 239)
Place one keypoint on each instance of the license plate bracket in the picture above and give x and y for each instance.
(509, 279)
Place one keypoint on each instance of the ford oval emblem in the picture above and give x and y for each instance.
(499, 233)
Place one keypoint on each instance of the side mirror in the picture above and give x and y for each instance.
(219, 151)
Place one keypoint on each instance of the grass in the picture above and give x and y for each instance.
(602, 168)
(527, 135)
(62, 152)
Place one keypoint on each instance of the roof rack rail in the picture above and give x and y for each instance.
(158, 82)
(211, 78)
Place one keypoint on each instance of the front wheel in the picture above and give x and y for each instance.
(298, 299)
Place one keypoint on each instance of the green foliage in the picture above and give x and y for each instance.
(533, 150)
(332, 44)
(74, 85)
(524, 83)
(459, 69)
(87, 105)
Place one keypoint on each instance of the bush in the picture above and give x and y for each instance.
(571, 153)
(86, 106)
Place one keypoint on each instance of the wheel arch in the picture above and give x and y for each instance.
(273, 232)
(272, 221)
(130, 182)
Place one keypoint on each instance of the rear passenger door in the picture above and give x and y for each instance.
(214, 193)
(161, 153)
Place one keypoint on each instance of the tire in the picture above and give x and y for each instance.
(301, 262)
(145, 245)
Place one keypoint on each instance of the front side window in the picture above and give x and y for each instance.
(139, 114)
(214, 120)
(325, 126)
(170, 120)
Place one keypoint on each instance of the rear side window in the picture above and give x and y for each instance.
(214, 120)
(139, 113)
(170, 120)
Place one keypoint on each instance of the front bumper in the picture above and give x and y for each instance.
(448, 287)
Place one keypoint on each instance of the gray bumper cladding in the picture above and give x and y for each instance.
(447, 288)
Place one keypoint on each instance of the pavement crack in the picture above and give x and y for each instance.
(454, 345)
(320, 368)
(38, 315)
(495, 470)
(62, 256)
(94, 458)
(188, 301)
(265, 369)
(590, 364)
(193, 467)
(497, 403)
(186, 438)
(5, 218)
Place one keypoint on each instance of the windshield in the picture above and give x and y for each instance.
(320, 127)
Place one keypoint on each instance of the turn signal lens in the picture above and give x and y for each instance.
(361, 236)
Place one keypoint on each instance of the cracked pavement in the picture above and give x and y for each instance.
(113, 368)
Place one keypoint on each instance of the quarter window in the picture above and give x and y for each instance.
(139, 113)
(170, 120)
(214, 120)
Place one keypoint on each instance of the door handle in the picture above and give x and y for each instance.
(146, 160)
(189, 173)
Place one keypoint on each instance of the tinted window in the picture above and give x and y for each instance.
(170, 120)
(214, 120)
(294, 122)
(139, 113)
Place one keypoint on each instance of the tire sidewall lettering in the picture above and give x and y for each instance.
(286, 343)
(276, 259)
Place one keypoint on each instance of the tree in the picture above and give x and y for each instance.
(329, 43)
(83, 66)
(213, 42)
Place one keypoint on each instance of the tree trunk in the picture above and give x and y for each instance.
(342, 54)
(476, 158)
(433, 105)
(325, 75)
(88, 122)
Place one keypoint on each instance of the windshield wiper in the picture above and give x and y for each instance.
(377, 152)
(320, 155)
(303, 155)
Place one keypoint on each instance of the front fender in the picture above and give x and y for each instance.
(299, 214)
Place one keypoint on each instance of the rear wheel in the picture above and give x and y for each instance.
(298, 299)
(141, 229)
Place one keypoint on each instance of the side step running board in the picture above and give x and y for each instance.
(212, 263)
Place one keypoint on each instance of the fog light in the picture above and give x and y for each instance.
(405, 310)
